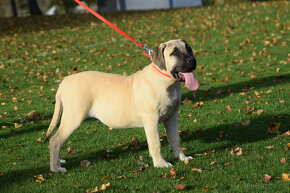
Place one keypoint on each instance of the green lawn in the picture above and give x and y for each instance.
(242, 53)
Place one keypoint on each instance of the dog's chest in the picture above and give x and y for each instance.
(169, 102)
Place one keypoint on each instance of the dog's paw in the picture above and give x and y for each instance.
(183, 157)
(62, 161)
(162, 164)
(58, 169)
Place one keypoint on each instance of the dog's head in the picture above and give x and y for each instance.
(176, 58)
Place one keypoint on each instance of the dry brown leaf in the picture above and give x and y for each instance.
(17, 125)
(228, 108)
(214, 162)
(180, 186)
(186, 101)
(38, 139)
(92, 190)
(237, 151)
(270, 147)
(274, 128)
(85, 163)
(246, 123)
(267, 178)
(105, 186)
(120, 177)
(139, 171)
(1, 174)
(286, 177)
(39, 178)
(173, 173)
(227, 164)
(259, 112)
(283, 160)
(135, 141)
(287, 133)
(70, 150)
(206, 188)
(197, 170)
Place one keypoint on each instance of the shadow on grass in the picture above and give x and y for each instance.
(27, 127)
(226, 89)
(236, 136)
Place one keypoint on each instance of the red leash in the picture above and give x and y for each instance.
(121, 32)
(114, 27)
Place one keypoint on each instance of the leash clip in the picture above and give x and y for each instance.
(148, 50)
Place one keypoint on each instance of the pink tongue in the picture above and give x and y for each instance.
(190, 81)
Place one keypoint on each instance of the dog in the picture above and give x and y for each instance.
(143, 99)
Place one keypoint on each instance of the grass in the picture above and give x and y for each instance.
(243, 62)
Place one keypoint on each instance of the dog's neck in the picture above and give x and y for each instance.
(164, 74)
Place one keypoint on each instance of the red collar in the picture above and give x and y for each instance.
(160, 71)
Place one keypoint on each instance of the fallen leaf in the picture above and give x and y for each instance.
(1, 174)
(12, 132)
(180, 186)
(267, 178)
(197, 170)
(281, 100)
(120, 177)
(85, 163)
(92, 190)
(173, 173)
(39, 178)
(228, 108)
(206, 188)
(163, 175)
(184, 178)
(227, 164)
(70, 150)
(76, 186)
(125, 188)
(283, 160)
(135, 141)
(17, 125)
(139, 171)
(286, 177)
(186, 101)
(259, 112)
(246, 123)
(38, 139)
(270, 147)
(288, 147)
(198, 104)
(287, 133)
(274, 128)
(214, 162)
(105, 186)
(237, 151)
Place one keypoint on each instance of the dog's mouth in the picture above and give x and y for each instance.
(187, 77)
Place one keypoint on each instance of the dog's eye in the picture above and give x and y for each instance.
(174, 53)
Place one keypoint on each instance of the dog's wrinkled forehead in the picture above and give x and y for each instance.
(178, 46)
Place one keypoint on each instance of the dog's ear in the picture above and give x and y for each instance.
(158, 56)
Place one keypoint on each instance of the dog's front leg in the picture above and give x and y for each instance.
(171, 127)
(151, 129)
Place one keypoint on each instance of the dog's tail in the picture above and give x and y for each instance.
(55, 117)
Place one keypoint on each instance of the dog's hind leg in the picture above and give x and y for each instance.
(68, 125)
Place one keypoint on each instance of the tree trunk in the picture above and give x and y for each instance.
(33, 6)
(13, 7)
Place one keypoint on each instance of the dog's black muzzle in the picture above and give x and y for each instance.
(188, 66)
